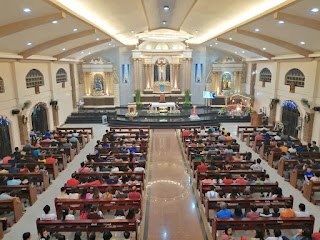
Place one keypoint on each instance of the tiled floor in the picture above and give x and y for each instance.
(171, 207)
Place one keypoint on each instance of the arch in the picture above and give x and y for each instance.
(295, 77)
(5, 140)
(39, 118)
(34, 78)
(226, 79)
(265, 75)
(290, 118)
(1, 85)
(61, 76)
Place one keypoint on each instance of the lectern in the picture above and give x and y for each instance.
(256, 119)
(162, 98)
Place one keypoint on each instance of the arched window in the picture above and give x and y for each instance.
(34, 78)
(1, 85)
(61, 76)
(265, 75)
(296, 77)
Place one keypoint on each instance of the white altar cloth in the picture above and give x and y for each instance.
(168, 104)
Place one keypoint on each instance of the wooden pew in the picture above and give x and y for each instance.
(34, 177)
(258, 143)
(245, 128)
(298, 174)
(24, 191)
(75, 146)
(88, 226)
(262, 223)
(235, 148)
(235, 173)
(12, 205)
(84, 130)
(125, 187)
(139, 175)
(236, 164)
(103, 204)
(274, 156)
(246, 203)
(103, 164)
(310, 189)
(68, 151)
(285, 165)
(52, 168)
(224, 188)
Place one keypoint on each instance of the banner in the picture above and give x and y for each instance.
(198, 72)
(125, 73)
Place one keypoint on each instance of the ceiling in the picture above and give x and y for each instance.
(120, 20)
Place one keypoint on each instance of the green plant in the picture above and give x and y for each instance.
(222, 111)
(247, 110)
(187, 101)
(138, 98)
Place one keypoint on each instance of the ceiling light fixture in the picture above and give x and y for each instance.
(210, 45)
(257, 30)
(27, 10)
(236, 52)
(29, 43)
(216, 43)
(264, 49)
(164, 22)
(230, 38)
(196, 31)
(132, 31)
(75, 30)
(97, 39)
(54, 22)
(109, 44)
(243, 51)
(281, 22)
(63, 49)
(166, 8)
(315, 10)
(302, 43)
(82, 52)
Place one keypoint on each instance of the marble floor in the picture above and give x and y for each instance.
(171, 211)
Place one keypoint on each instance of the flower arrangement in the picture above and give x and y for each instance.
(162, 83)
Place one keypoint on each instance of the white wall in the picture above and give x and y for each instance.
(277, 88)
(16, 93)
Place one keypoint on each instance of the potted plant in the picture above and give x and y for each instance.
(187, 101)
(138, 98)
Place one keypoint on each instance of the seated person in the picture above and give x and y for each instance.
(212, 194)
(134, 194)
(238, 212)
(74, 181)
(12, 181)
(224, 212)
(257, 166)
(202, 167)
(14, 168)
(253, 213)
(95, 213)
(302, 211)
(288, 212)
(275, 211)
(63, 194)
(47, 215)
(266, 212)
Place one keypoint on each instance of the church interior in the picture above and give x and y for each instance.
(160, 120)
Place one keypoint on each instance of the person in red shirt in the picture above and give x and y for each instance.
(316, 235)
(241, 179)
(98, 181)
(50, 159)
(202, 167)
(74, 181)
(186, 133)
(134, 194)
(6, 159)
(24, 169)
(227, 179)
(258, 136)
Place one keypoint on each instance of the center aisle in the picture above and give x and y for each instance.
(171, 208)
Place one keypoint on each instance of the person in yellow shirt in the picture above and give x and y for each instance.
(288, 212)
(283, 148)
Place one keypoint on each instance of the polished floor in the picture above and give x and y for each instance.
(171, 211)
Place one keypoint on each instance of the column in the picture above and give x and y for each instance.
(146, 76)
(135, 73)
(151, 72)
(183, 75)
(218, 83)
(308, 127)
(177, 78)
(239, 82)
(140, 77)
(188, 74)
(235, 77)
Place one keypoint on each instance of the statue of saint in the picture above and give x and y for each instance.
(224, 81)
(98, 85)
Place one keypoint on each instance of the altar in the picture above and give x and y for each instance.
(163, 108)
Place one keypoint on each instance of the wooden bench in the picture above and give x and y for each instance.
(275, 156)
(297, 174)
(139, 175)
(235, 148)
(103, 204)
(12, 205)
(224, 188)
(24, 191)
(33, 177)
(125, 187)
(246, 203)
(88, 226)
(52, 168)
(244, 128)
(84, 130)
(67, 150)
(262, 223)
(75, 145)
(259, 143)
(236, 164)
(310, 189)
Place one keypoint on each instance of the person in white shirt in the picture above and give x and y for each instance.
(277, 138)
(292, 149)
(115, 169)
(66, 215)
(47, 215)
(257, 166)
(302, 211)
(139, 168)
(277, 235)
(212, 194)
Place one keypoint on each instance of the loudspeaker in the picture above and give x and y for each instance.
(275, 100)
(316, 109)
(54, 102)
(15, 111)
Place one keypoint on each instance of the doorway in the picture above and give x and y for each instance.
(39, 119)
(5, 141)
(290, 118)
